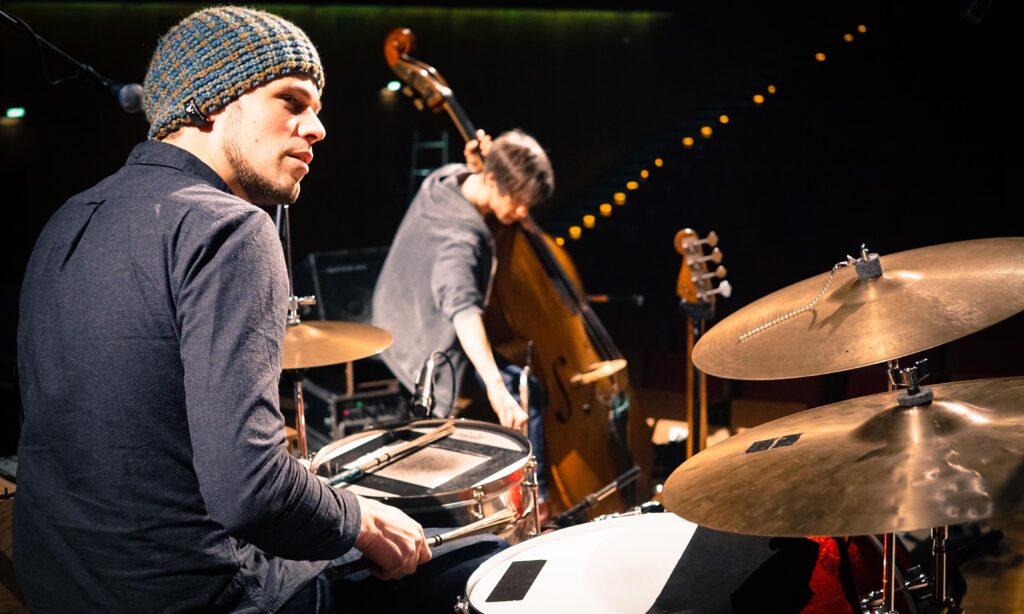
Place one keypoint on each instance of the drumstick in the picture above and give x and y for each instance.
(484, 525)
(354, 473)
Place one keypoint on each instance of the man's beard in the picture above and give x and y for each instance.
(259, 190)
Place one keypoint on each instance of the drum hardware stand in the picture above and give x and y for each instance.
(283, 222)
(572, 515)
(297, 376)
(650, 507)
(697, 315)
(914, 396)
(532, 483)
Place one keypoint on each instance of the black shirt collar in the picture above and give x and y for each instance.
(157, 153)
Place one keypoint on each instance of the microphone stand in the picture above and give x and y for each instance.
(283, 223)
(129, 98)
(573, 514)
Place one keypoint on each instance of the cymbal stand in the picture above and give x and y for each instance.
(283, 222)
(910, 377)
(888, 592)
(915, 396)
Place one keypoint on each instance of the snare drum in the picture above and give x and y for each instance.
(662, 563)
(479, 470)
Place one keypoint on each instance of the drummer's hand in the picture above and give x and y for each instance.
(510, 414)
(391, 540)
(474, 159)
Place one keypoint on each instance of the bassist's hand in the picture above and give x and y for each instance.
(476, 150)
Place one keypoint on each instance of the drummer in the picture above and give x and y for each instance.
(437, 277)
(153, 474)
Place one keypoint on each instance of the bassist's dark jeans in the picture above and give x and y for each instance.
(510, 373)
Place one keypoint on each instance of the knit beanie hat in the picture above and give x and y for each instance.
(215, 55)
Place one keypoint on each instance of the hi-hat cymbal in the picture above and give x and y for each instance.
(864, 466)
(925, 297)
(318, 344)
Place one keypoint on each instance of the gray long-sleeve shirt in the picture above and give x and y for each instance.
(152, 474)
(439, 268)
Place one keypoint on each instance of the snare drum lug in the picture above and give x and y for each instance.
(532, 487)
(478, 494)
(461, 606)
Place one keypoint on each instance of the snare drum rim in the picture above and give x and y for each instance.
(442, 499)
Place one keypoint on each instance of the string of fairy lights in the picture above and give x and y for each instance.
(606, 208)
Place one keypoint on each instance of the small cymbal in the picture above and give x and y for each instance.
(925, 297)
(864, 466)
(322, 343)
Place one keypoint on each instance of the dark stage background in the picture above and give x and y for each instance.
(896, 140)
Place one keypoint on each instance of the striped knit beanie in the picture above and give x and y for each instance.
(214, 56)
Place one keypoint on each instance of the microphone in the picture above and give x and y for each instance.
(423, 397)
(129, 96)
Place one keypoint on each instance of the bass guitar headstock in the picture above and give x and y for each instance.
(694, 286)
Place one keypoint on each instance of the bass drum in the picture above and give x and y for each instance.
(479, 470)
(662, 563)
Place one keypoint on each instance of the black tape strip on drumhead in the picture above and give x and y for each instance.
(516, 581)
(727, 572)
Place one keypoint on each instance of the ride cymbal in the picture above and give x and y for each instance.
(924, 298)
(864, 466)
(322, 343)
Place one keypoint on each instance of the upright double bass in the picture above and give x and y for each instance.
(588, 434)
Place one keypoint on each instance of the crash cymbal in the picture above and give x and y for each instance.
(317, 344)
(924, 298)
(864, 466)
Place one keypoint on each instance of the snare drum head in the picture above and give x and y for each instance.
(477, 453)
